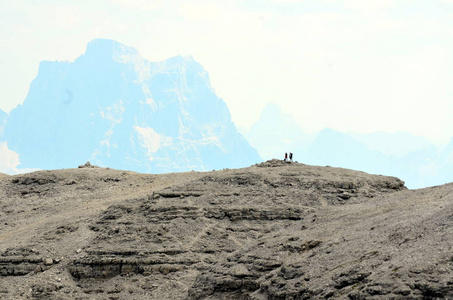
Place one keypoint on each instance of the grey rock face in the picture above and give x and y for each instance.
(275, 230)
(114, 108)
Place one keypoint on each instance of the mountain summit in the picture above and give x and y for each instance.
(116, 109)
(275, 230)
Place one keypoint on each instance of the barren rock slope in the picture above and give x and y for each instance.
(272, 231)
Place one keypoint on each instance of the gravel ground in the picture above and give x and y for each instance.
(275, 230)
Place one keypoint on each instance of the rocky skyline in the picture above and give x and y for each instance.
(114, 108)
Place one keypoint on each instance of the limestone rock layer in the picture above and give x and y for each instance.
(275, 230)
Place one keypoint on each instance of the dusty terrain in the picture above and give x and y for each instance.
(271, 231)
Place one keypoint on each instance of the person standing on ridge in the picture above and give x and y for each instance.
(286, 157)
(291, 157)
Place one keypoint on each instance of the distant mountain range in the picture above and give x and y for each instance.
(115, 109)
(411, 158)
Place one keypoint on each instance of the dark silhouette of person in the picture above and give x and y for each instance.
(291, 156)
(286, 156)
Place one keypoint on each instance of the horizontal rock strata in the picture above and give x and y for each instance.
(276, 230)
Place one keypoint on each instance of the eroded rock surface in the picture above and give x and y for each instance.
(276, 230)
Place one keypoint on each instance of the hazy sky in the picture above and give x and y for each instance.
(352, 65)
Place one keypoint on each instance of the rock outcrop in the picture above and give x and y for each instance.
(276, 230)
(88, 165)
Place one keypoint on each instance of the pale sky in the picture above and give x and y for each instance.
(351, 65)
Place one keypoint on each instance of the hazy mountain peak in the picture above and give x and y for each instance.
(275, 132)
(107, 56)
(333, 135)
(105, 47)
(329, 131)
(178, 63)
(271, 109)
(273, 116)
(180, 59)
(116, 109)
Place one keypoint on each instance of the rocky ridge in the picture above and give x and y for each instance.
(275, 230)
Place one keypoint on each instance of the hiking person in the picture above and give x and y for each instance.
(286, 156)
(291, 157)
